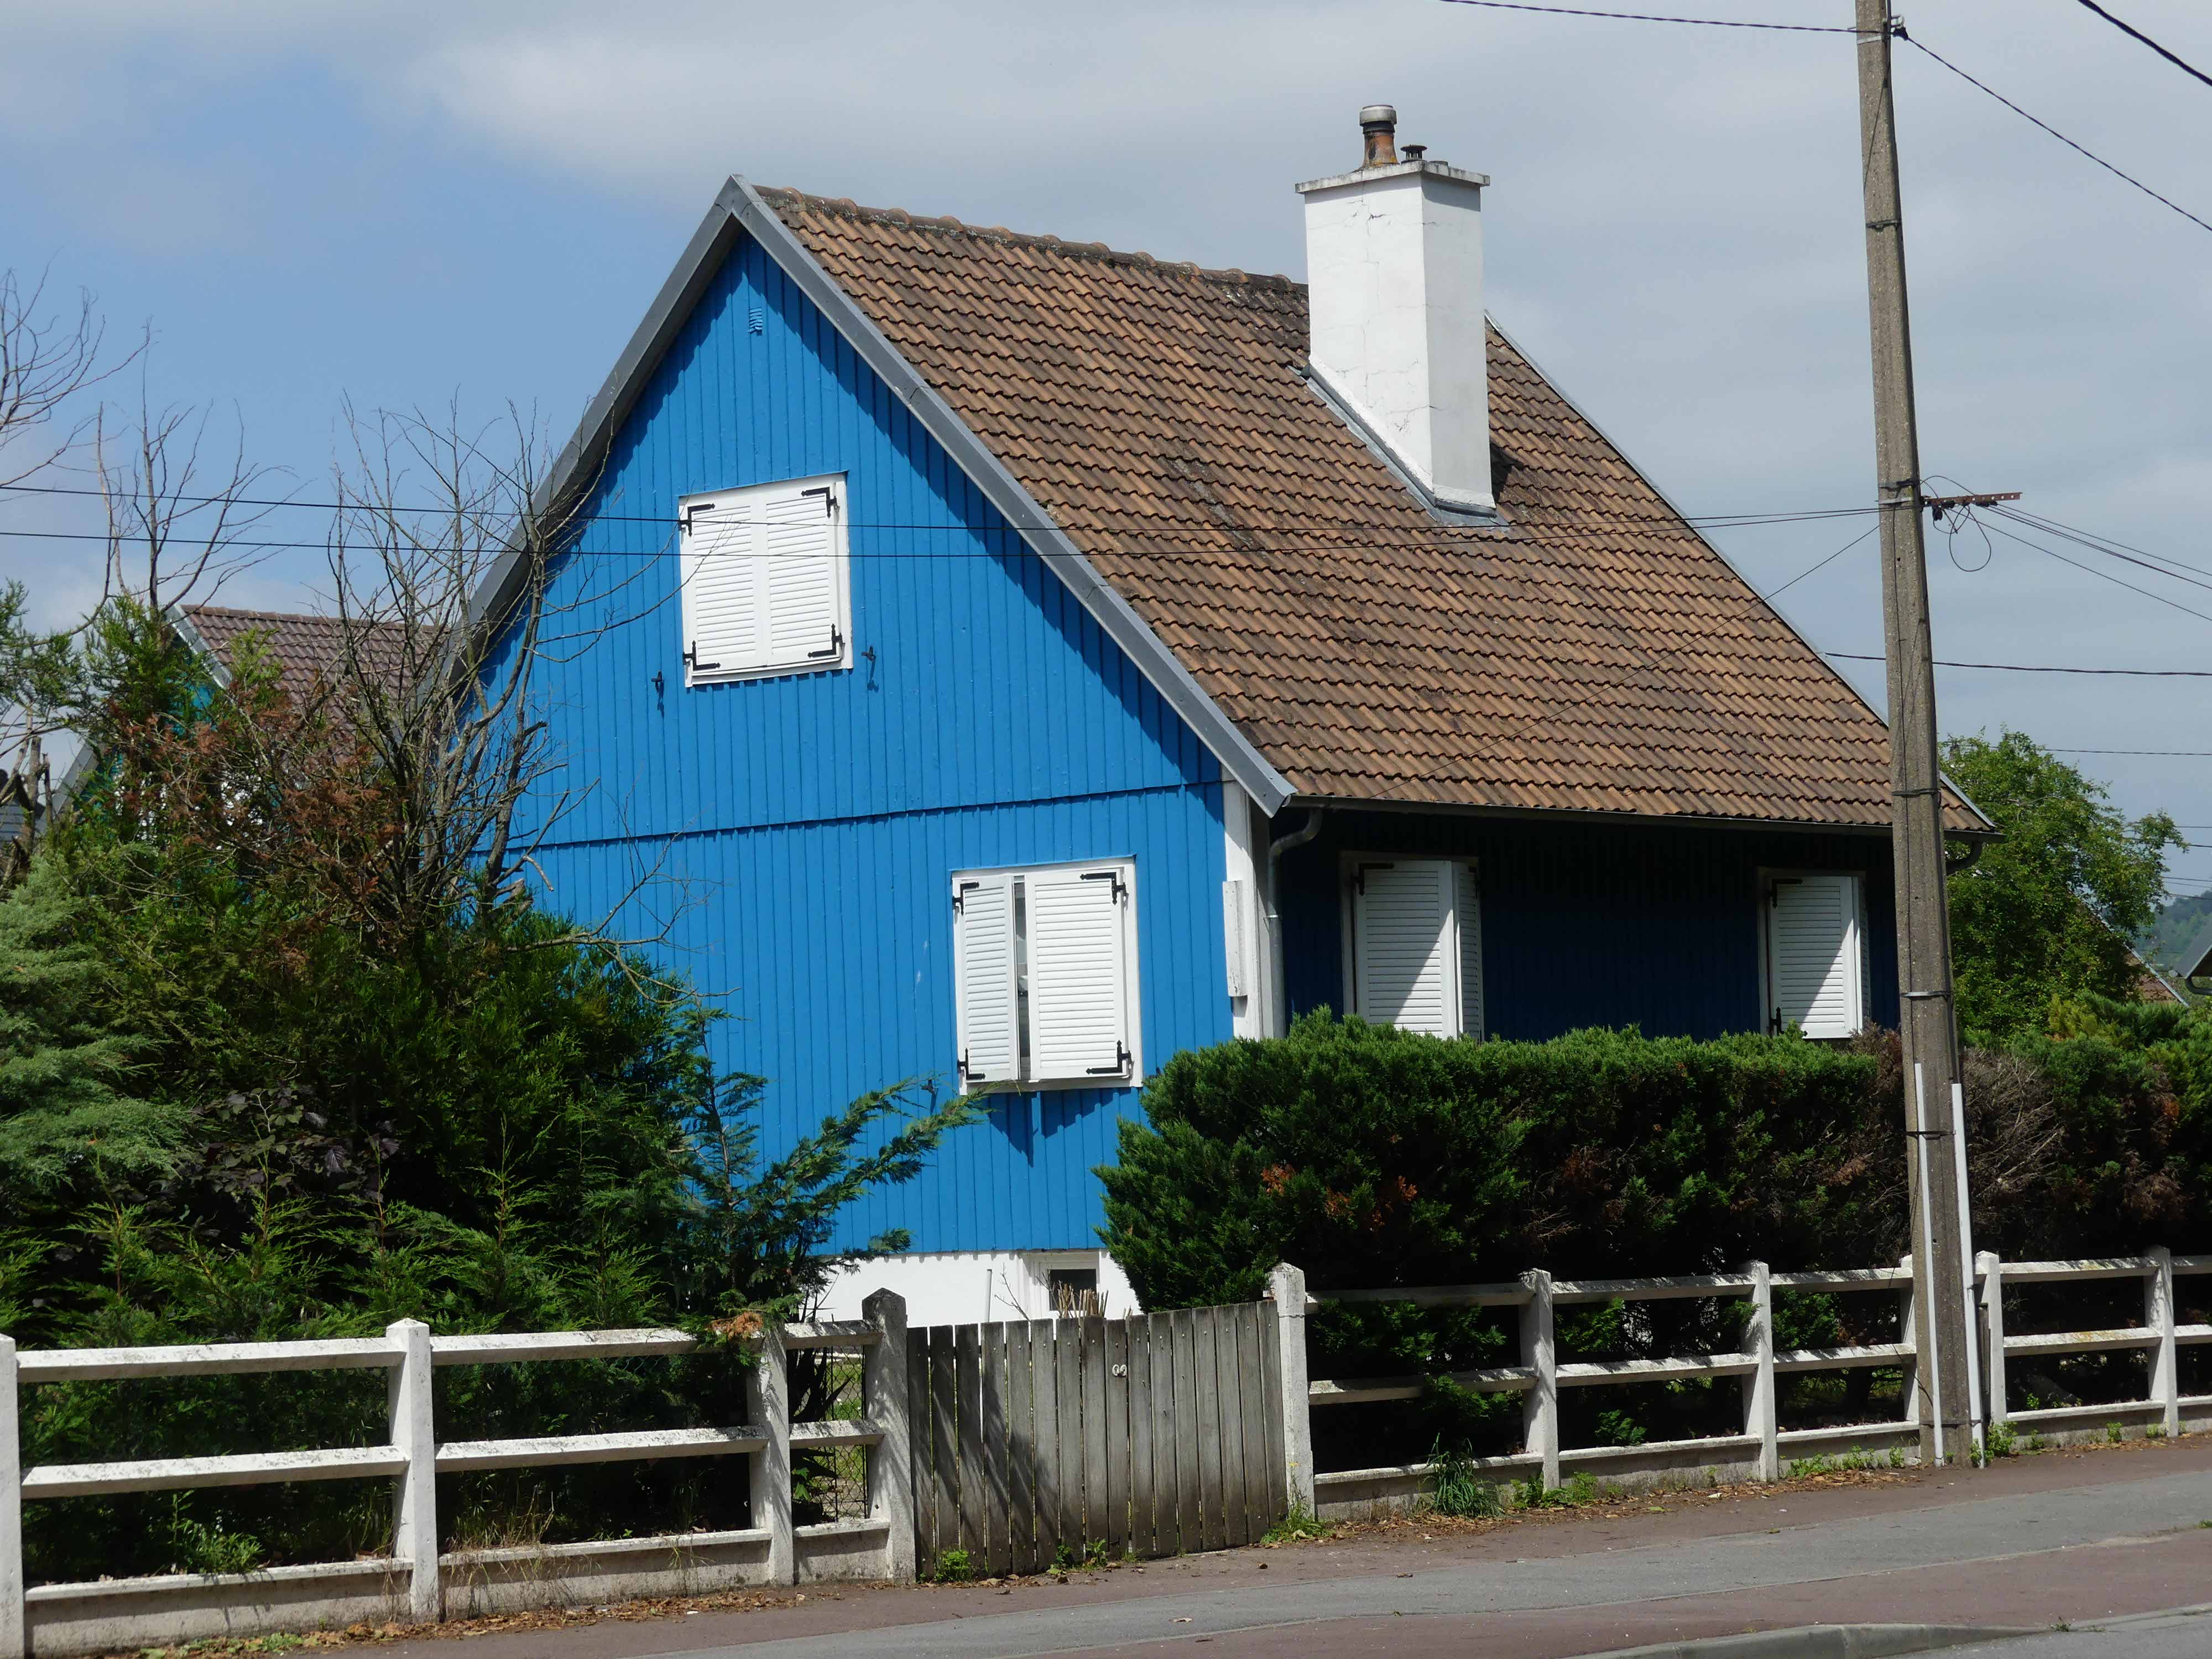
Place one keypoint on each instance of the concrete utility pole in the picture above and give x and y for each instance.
(1927, 1018)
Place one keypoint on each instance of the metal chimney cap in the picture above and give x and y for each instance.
(1379, 123)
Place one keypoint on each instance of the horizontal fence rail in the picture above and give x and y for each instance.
(1759, 1446)
(416, 1581)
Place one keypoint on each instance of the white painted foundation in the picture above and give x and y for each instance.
(973, 1287)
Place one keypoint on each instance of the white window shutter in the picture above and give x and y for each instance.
(1078, 975)
(800, 581)
(1237, 936)
(1814, 974)
(984, 972)
(1402, 966)
(1466, 912)
(723, 625)
(765, 590)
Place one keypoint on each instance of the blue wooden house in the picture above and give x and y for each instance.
(1018, 661)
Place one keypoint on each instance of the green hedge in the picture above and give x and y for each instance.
(1373, 1156)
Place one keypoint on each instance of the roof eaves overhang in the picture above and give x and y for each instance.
(1601, 815)
(740, 210)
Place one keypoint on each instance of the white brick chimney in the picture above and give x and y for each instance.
(1394, 273)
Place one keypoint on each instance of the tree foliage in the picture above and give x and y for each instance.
(2048, 910)
(274, 1065)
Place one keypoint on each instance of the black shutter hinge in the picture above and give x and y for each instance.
(829, 499)
(684, 519)
(836, 645)
(1121, 887)
(691, 659)
(1123, 1059)
(960, 908)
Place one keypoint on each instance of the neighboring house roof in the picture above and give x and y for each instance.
(1150, 424)
(2197, 963)
(309, 652)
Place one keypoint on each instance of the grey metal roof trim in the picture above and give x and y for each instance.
(181, 623)
(739, 207)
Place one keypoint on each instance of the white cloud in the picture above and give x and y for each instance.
(1674, 229)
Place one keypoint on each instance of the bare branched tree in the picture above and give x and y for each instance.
(442, 556)
(49, 360)
(47, 357)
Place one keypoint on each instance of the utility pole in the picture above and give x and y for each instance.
(1927, 1019)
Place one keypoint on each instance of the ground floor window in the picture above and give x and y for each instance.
(1814, 966)
(1413, 943)
(1045, 975)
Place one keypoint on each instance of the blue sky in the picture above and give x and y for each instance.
(400, 204)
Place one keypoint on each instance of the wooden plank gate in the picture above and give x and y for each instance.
(1037, 1441)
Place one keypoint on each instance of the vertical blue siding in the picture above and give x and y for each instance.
(802, 831)
(831, 945)
(1587, 924)
(990, 682)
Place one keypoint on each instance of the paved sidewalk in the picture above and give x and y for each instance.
(2031, 1543)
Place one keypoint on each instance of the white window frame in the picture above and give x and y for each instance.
(1856, 947)
(691, 509)
(1456, 997)
(1123, 872)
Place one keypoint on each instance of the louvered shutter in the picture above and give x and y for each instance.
(801, 580)
(1403, 969)
(1466, 914)
(723, 632)
(986, 1017)
(1813, 975)
(1079, 975)
(765, 588)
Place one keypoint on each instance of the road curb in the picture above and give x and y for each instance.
(1826, 1642)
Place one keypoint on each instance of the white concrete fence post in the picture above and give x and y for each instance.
(1908, 1333)
(2165, 1358)
(1761, 1410)
(1993, 1333)
(885, 1401)
(1539, 1406)
(415, 1492)
(1287, 1288)
(772, 1463)
(14, 1641)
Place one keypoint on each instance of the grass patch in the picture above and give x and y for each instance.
(1300, 1522)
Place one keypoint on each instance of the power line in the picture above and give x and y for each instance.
(2156, 565)
(1718, 520)
(2038, 668)
(1823, 564)
(2100, 543)
(2175, 754)
(2070, 145)
(1347, 539)
(1645, 17)
(2101, 576)
(2131, 30)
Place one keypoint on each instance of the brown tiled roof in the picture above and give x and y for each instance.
(308, 651)
(1594, 654)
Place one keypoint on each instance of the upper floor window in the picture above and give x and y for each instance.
(766, 581)
(1044, 968)
(1815, 965)
(1413, 944)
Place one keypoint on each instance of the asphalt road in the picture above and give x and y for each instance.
(2184, 1633)
(2030, 1544)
